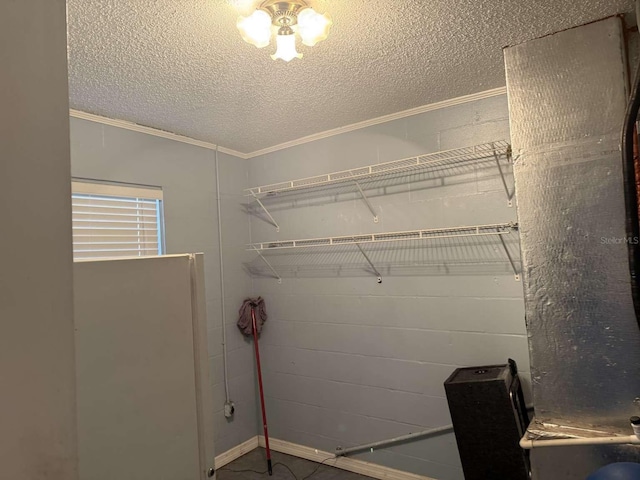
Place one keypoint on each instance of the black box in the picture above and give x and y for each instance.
(489, 419)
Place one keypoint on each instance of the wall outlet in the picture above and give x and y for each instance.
(229, 409)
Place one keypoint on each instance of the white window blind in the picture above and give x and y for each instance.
(111, 221)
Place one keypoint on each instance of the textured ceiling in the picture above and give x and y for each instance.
(181, 66)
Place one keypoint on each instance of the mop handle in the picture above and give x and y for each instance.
(264, 411)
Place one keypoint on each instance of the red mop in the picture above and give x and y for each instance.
(255, 327)
(264, 411)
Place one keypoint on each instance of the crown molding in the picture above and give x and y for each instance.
(293, 143)
(154, 132)
(385, 118)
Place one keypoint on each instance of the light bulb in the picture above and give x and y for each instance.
(243, 7)
(256, 28)
(313, 27)
(286, 48)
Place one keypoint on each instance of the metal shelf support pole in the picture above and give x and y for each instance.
(511, 261)
(366, 200)
(373, 267)
(273, 270)
(273, 221)
(343, 452)
(504, 181)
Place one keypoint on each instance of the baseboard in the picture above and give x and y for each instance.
(344, 463)
(236, 452)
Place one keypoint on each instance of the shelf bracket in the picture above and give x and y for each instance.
(373, 267)
(511, 261)
(273, 221)
(273, 270)
(502, 175)
(366, 200)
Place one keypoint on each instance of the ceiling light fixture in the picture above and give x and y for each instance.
(285, 20)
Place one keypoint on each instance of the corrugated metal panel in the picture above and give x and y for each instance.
(567, 99)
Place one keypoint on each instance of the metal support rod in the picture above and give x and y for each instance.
(275, 224)
(513, 263)
(373, 267)
(411, 436)
(528, 444)
(268, 265)
(366, 200)
(504, 181)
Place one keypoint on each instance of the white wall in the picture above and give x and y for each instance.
(186, 174)
(37, 377)
(348, 361)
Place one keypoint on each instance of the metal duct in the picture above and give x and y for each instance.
(567, 98)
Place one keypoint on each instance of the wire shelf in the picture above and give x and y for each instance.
(448, 158)
(466, 231)
(444, 250)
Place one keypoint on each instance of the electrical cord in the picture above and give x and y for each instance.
(318, 467)
(282, 465)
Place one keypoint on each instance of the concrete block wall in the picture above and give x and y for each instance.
(349, 361)
(186, 174)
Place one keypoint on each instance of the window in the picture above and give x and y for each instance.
(111, 220)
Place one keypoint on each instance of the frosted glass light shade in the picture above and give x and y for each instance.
(313, 27)
(256, 28)
(286, 48)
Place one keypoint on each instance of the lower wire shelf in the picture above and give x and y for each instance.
(377, 242)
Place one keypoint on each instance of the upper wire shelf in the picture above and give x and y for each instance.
(439, 164)
(493, 150)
